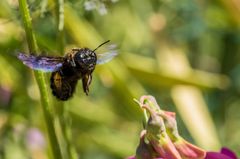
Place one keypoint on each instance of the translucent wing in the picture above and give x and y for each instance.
(42, 63)
(107, 56)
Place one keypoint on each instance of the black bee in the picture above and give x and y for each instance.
(67, 70)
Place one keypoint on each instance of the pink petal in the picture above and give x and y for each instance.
(216, 155)
(228, 152)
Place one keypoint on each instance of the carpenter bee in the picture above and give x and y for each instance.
(66, 71)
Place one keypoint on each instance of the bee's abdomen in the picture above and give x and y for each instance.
(62, 87)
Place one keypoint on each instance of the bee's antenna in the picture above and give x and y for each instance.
(101, 45)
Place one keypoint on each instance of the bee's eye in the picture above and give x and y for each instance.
(81, 55)
(86, 59)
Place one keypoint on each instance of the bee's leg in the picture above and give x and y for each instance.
(72, 61)
(70, 58)
(86, 81)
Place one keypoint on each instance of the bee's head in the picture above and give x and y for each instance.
(86, 59)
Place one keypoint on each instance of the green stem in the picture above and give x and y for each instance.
(47, 108)
(60, 24)
(28, 26)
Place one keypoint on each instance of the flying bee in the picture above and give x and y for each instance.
(66, 71)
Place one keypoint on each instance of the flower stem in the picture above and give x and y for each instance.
(60, 24)
(46, 107)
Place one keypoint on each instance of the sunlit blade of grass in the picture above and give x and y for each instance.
(47, 108)
(149, 74)
(193, 109)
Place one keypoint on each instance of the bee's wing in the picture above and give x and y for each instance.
(107, 56)
(42, 63)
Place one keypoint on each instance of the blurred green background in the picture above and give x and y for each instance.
(186, 53)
